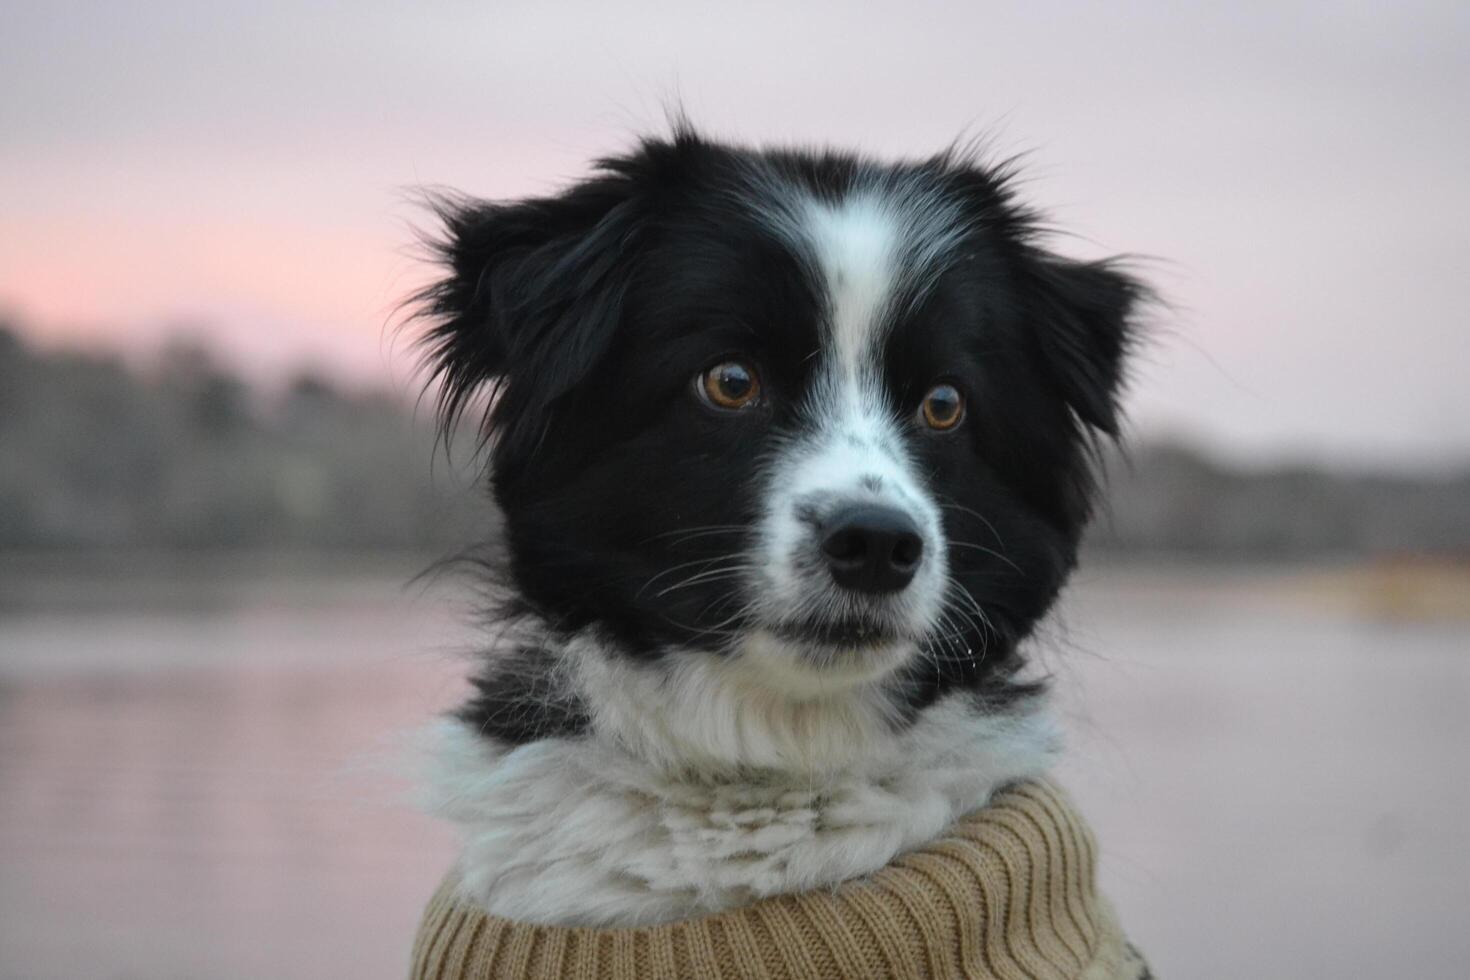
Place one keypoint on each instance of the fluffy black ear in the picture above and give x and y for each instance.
(531, 299)
(1083, 313)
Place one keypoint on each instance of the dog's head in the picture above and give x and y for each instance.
(827, 415)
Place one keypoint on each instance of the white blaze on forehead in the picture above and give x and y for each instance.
(883, 241)
(854, 245)
(868, 253)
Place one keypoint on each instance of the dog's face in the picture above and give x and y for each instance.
(827, 415)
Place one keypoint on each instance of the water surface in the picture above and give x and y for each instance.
(196, 777)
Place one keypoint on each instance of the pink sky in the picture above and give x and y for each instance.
(1299, 170)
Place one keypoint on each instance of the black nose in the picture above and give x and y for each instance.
(872, 549)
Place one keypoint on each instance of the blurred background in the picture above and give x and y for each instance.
(217, 485)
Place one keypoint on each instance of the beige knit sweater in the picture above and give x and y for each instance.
(1008, 893)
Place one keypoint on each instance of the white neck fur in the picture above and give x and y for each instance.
(699, 789)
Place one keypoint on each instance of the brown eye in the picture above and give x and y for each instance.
(943, 407)
(731, 385)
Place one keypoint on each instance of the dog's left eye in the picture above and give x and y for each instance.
(943, 408)
(729, 385)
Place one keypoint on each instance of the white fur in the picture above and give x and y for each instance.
(854, 243)
(863, 250)
(704, 788)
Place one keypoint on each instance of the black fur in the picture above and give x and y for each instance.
(587, 314)
(522, 702)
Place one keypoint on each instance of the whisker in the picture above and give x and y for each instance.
(972, 613)
(675, 568)
(988, 551)
(711, 575)
(987, 627)
(950, 502)
(698, 531)
(718, 628)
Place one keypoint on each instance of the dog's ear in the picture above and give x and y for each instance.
(1083, 312)
(532, 296)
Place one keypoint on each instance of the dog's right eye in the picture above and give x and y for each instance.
(729, 385)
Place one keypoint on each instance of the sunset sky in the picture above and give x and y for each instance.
(1299, 172)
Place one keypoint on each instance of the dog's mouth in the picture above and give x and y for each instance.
(851, 633)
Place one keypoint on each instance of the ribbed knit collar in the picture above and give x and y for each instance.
(1008, 893)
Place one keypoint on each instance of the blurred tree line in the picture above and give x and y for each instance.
(1171, 500)
(97, 454)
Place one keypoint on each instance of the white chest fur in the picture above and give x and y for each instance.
(606, 829)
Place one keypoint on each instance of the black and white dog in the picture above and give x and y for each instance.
(793, 451)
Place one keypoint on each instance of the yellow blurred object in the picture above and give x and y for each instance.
(1412, 587)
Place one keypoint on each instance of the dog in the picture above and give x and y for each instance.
(793, 451)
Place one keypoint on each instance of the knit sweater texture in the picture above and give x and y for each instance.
(1008, 893)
